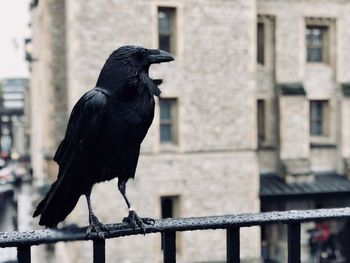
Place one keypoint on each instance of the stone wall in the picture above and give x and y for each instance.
(320, 80)
(48, 84)
(206, 184)
(214, 168)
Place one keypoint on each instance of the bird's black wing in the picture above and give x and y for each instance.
(83, 124)
(75, 152)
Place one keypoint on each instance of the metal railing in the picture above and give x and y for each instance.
(168, 228)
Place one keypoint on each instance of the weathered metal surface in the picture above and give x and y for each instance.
(29, 238)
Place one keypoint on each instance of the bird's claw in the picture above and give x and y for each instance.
(148, 221)
(135, 221)
(96, 228)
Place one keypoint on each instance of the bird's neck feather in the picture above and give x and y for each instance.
(127, 80)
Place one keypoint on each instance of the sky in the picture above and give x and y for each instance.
(14, 20)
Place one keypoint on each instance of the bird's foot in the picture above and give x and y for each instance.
(96, 228)
(135, 221)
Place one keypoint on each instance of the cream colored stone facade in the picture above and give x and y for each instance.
(48, 85)
(213, 168)
(289, 150)
(286, 64)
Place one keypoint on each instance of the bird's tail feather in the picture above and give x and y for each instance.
(58, 202)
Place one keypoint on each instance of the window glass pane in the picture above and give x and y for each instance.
(164, 22)
(164, 43)
(315, 43)
(316, 128)
(261, 120)
(166, 26)
(165, 133)
(261, 43)
(168, 109)
(165, 109)
(317, 117)
(318, 55)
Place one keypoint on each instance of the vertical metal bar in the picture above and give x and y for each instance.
(294, 243)
(99, 251)
(232, 245)
(23, 254)
(169, 247)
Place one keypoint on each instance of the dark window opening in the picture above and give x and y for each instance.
(318, 117)
(261, 43)
(261, 121)
(167, 29)
(168, 206)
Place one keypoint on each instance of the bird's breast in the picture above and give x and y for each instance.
(125, 118)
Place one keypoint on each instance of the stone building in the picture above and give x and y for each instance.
(199, 157)
(302, 110)
(13, 142)
(259, 89)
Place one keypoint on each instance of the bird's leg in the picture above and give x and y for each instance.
(95, 225)
(122, 188)
(133, 219)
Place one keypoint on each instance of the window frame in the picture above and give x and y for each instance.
(330, 42)
(269, 42)
(313, 47)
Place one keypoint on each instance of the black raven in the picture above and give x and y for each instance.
(104, 134)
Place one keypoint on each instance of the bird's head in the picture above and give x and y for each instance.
(133, 63)
(140, 57)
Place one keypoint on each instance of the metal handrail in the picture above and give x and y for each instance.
(168, 227)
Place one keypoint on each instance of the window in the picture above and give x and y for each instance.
(169, 206)
(168, 114)
(316, 42)
(261, 43)
(318, 117)
(167, 29)
(261, 121)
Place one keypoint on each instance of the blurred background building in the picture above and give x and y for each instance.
(199, 157)
(254, 116)
(13, 138)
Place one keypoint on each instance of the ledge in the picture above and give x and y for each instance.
(293, 89)
(323, 145)
(266, 146)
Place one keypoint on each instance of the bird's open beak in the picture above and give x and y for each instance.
(159, 56)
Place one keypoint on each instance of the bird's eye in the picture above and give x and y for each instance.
(142, 53)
